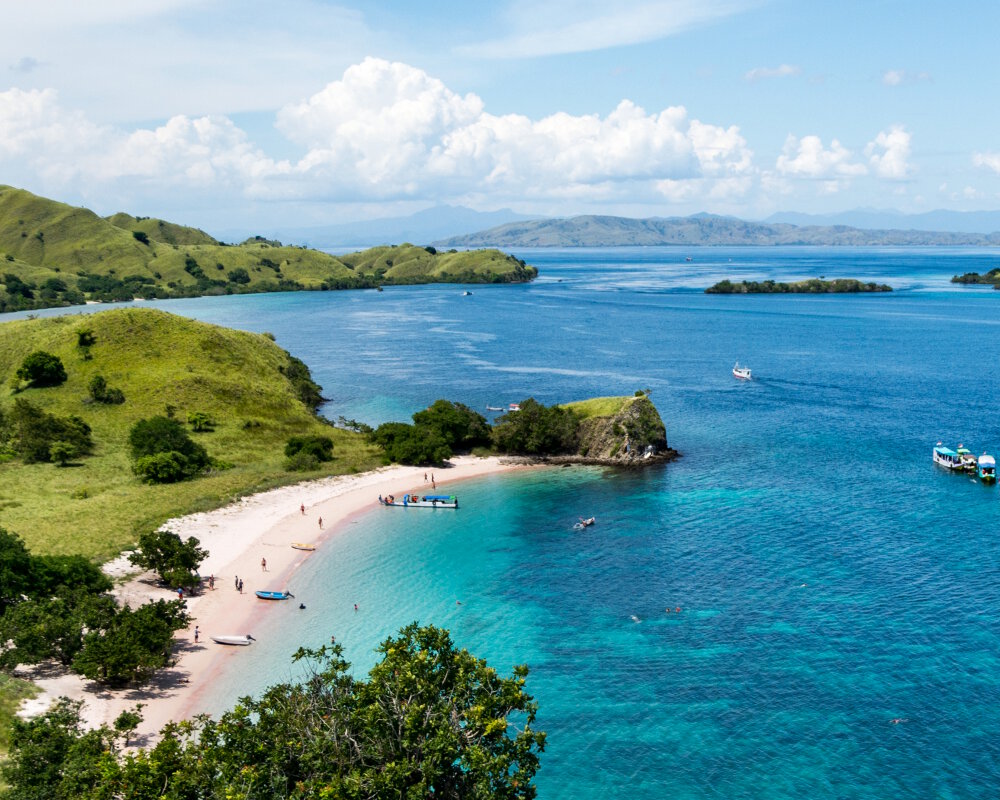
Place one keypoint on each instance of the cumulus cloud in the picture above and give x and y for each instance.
(990, 161)
(889, 153)
(784, 71)
(807, 158)
(388, 131)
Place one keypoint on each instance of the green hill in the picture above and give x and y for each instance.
(52, 254)
(158, 360)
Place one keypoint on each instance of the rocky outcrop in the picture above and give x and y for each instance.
(634, 434)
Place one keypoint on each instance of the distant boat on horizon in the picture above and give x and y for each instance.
(743, 373)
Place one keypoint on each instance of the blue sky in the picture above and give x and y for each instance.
(237, 113)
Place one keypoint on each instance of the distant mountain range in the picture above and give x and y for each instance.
(700, 229)
(421, 228)
(940, 220)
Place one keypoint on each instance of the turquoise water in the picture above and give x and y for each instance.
(831, 579)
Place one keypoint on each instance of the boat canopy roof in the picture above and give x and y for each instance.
(945, 451)
(987, 461)
(448, 497)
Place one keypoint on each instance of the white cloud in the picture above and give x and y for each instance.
(784, 71)
(897, 77)
(888, 154)
(807, 158)
(577, 26)
(385, 131)
(990, 161)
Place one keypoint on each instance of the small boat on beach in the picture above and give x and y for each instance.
(273, 595)
(420, 501)
(233, 639)
(584, 523)
(947, 458)
(986, 468)
(303, 546)
(743, 373)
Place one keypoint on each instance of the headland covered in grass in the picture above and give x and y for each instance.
(254, 396)
(53, 254)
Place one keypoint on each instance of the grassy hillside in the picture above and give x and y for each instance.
(158, 360)
(52, 254)
(598, 406)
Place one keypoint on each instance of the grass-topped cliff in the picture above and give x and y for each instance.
(619, 428)
(257, 394)
(52, 254)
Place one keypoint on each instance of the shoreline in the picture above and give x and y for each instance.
(237, 537)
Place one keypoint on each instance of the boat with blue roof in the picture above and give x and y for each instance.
(947, 458)
(420, 501)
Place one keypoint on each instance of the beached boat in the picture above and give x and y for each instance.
(986, 468)
(233, 639)
(273, 595)
(303, 546)
(421, 501)
(947, 458)
(743, 373)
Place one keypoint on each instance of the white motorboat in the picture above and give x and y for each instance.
(743, 373)
(234, 639)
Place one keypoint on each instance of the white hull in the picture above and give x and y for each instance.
(742, 373)
(421, 501)
(238, 641)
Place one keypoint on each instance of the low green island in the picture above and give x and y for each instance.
(53, 254)
(991, 278)
(811, 286)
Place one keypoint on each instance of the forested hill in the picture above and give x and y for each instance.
(701, 229)
(52, 254)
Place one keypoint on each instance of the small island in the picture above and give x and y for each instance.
(991, 278)
(811, 286)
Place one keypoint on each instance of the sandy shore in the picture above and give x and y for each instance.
(237, 537)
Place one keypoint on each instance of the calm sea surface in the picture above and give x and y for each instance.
(831, 579)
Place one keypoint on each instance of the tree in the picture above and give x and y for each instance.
(238, 275)
(132, 645)
(164, 452)
(33, 432)
(411, 444)
(458, 425)
(61, 452)
(41, 369)
(201, 422)
(141, 236)
(15, 570)
(537, 430)
(431, 721)
(52, 627)
(174, 560)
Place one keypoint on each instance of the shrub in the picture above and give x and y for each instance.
(31, 432)
(42, 369)
(238, 275)
(301, 462)
(201, 422)
(320, 447)
(164, 452)
(140, 236)
(100, 392)
(166, 467)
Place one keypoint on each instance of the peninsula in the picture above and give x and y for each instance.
(52, 254)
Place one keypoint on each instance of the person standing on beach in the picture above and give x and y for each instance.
(211, 582)
(236, 582)
(425, 477)
(321, 523)
(240, 587)
(196, 634)
(263, 565)
(302, 508)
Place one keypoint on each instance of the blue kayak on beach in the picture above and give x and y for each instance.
(274, 595)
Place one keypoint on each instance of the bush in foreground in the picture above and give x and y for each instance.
(430, 721)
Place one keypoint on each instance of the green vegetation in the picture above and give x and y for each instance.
(811, 286)
(438, 431)
(57, 607)
(58, 255)
(430, 721)
(164, 365)
(537, 430)
(13, 692)
(305, 453)
(990, 278)
(597, 406)
(174, 560)
(163, 452)
(41, 369)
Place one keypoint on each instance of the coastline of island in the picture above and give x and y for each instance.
(237, 537)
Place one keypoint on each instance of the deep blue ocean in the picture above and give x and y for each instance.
(831, 578)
